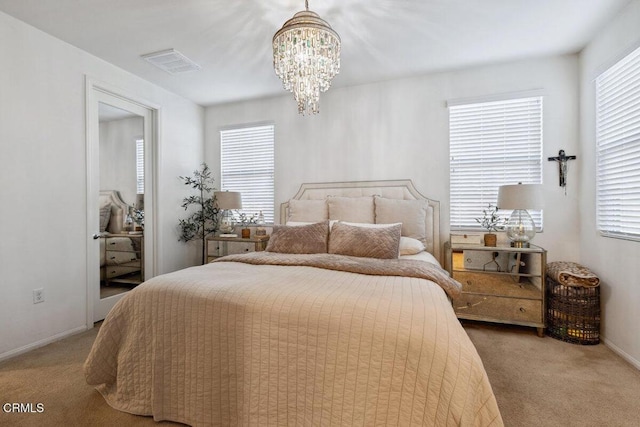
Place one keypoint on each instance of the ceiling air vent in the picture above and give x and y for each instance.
(171, 61)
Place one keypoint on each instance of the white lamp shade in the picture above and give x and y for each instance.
(520, 196)
(228, 199)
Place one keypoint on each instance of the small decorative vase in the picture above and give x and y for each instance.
(490, 239)
(246, 233)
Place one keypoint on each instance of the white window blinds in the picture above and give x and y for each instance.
(618, 149)
(140, 166)
(492, 144)
(247, 166)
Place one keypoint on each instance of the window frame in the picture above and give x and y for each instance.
(140, 165)
(617, 145)
(489, 155)
(267, 206)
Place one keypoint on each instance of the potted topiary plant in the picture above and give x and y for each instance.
(245, 221)
(491, 222)
(203, 218)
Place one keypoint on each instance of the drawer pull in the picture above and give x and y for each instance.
(469, 305)
(522, 309)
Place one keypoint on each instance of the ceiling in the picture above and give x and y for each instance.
(381, 39)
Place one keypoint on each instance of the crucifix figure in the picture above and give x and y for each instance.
(562, 160)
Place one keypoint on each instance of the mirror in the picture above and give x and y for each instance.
(121, 177)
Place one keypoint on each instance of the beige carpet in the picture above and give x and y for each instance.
(537, 382)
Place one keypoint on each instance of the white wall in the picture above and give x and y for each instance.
(399, 129)
(615, 261)
(43, 180)
(118, 156)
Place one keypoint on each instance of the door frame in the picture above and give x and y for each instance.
(96, 92)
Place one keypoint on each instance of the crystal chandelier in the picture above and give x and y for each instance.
(306, 56)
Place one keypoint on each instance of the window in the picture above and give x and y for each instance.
(140, 165)
(492, 144)
(247, 165)
(618, 149)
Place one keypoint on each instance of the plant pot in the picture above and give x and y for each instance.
(491, 239)
(246, 233)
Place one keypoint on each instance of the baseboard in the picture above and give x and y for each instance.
(41, 343)
(622, 353)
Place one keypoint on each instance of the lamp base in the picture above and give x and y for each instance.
(520, 245)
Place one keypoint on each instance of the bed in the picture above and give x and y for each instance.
(119, 255)
(345, 319)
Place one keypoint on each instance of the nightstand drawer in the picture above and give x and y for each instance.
(485, 307)
(112, 271)
(230, 248)
(498, 284)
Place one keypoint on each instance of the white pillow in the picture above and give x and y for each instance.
(410, 246)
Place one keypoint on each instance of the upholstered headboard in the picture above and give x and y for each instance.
(393, 189)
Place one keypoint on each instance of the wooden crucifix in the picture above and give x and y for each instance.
(562, 160)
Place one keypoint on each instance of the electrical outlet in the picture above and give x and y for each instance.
(38, 295)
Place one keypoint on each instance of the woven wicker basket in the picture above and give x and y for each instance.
(573, 313)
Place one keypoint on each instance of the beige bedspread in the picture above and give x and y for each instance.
(231, 343)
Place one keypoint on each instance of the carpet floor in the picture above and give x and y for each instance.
(537, 382)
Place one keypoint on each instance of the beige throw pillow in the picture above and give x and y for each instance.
(411, 213)
(352, 209)
(378, 242)
(300, 239)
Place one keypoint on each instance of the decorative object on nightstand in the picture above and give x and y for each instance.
(128, 222)
(228, 201)
(499, 284)
(260, 230)
(245, 221)
(520, 227)
(138, 212)
(490, 221)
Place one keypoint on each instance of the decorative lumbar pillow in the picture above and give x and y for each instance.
(300, 239)
(411, 213)
(307, 210)
(352, 209)
(105, 215)
(369, 242)
(410, 246)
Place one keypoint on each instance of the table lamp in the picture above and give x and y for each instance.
(520, 227)
(228, 201)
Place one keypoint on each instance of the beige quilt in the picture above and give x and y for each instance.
(236, 343)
